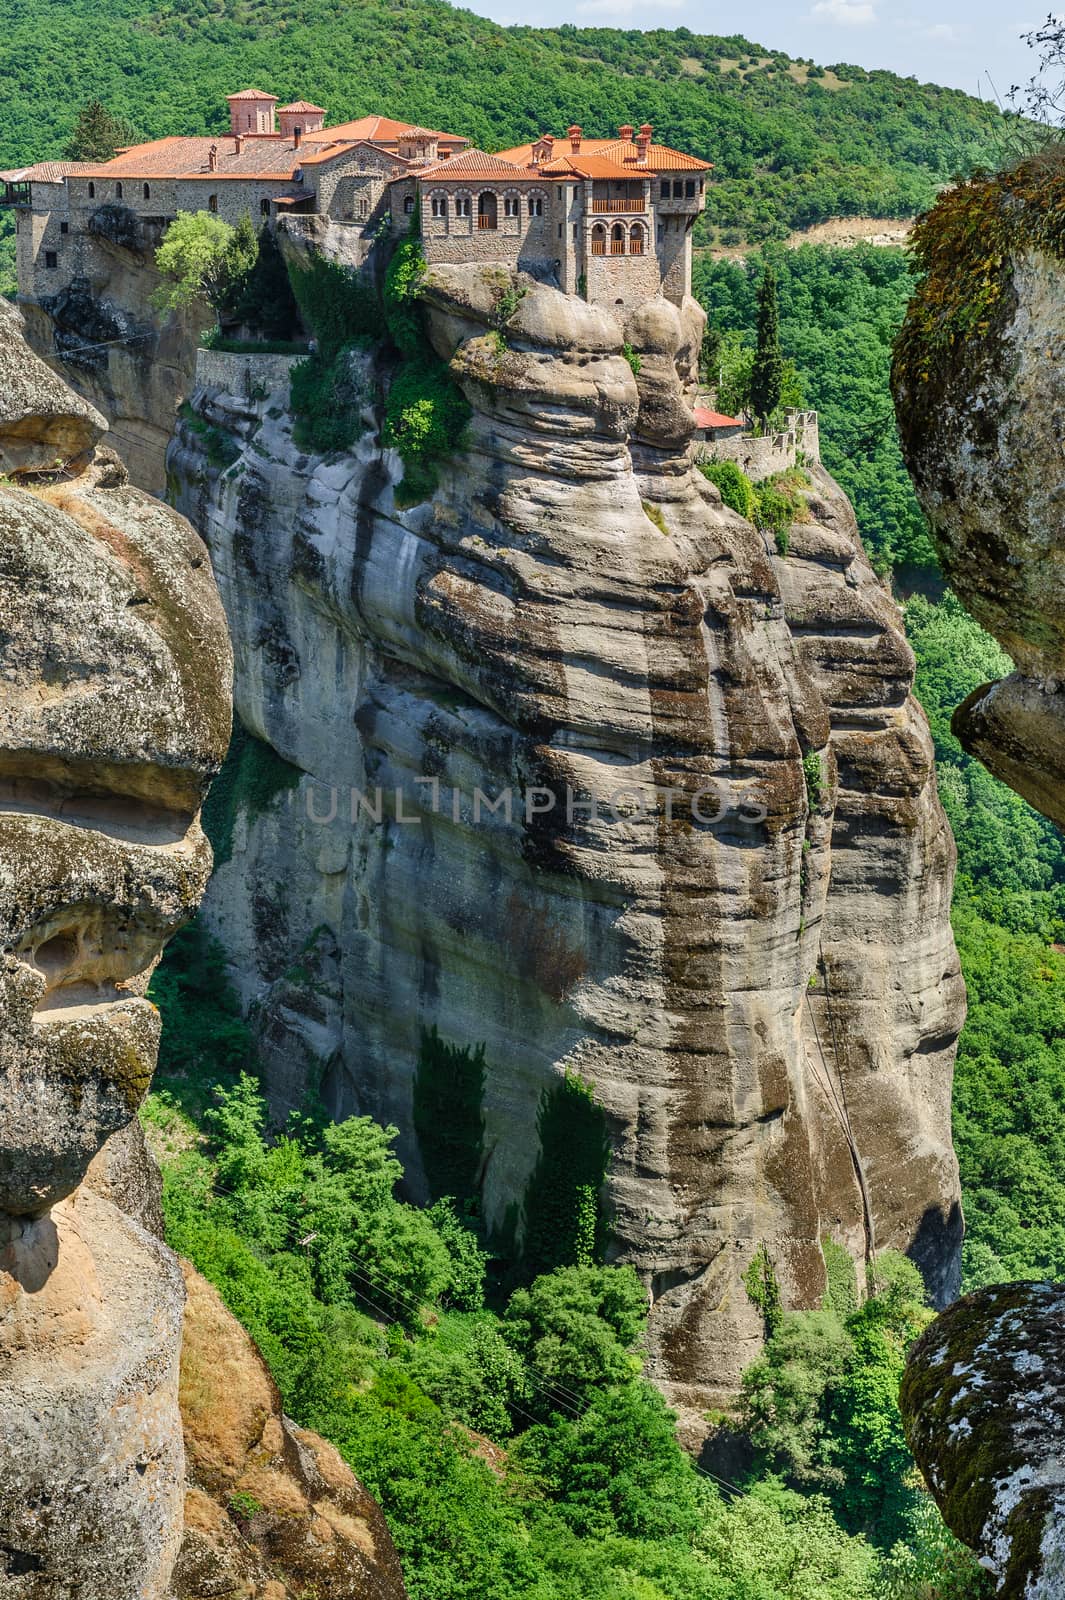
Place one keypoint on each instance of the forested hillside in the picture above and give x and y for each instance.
(792, 143)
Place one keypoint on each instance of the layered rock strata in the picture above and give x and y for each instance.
(114, 715)
(760, 987)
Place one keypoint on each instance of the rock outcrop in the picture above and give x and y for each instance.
(746, 951)
(114, 715)
(980, 396)
(271, 1511)
(105, 337)
(985, 1418)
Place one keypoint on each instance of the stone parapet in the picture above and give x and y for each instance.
(759, 456)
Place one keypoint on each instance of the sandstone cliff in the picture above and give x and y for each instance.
(766, 1005)
(115, 714)
(980, 397)
(104, 336)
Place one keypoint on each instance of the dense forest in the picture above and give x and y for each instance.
(792, 142)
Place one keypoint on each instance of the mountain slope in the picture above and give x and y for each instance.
(792, 144)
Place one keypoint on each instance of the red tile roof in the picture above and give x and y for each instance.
(178, 157)
(300, 105)
(46, 172)
(470, 164)
(377, 129)
(251, 94)
(705, 418)
(607, 158)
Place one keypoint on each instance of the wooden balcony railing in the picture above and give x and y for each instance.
(603, 206)
(617, 247)
(486, 222)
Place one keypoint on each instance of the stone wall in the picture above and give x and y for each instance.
(241, 374)
(774, 452)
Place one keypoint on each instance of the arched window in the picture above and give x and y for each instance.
(617, 240)
(364, 208)
(118, 191)
(599, 240)
(536, 205)
(264, 208)
(408, 205)
(462, 205)
(511, 205)
(636, 240)
(92, 191)
(439, 205)
(487, 210)
(147, 191)
(212, 202)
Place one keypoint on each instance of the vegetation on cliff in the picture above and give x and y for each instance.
(515, 1449)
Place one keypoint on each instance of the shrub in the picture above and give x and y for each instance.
(578, 1328)
(736, 488)
(561, 1205)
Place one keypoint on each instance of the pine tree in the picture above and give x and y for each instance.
(97, 134)
(767, 374)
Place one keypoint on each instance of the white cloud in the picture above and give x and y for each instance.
(845, 13)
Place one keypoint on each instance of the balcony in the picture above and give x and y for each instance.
(628, 207)
(688, 205)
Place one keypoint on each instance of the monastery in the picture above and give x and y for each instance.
(608, 218)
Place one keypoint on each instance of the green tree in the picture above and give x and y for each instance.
(97, 134)
(767, 372)
(579, 1327)
(202, 257)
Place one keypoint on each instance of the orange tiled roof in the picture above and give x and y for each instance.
(251, 94)
(180, 157)
(608, 158)
(46, 172)
(376, 129)
(301, 106)
(471, 164)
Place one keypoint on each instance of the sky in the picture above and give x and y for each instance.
(968, 44)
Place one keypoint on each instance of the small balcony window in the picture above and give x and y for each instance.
(665, 188)
(689, 189)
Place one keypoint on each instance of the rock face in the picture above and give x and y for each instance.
(106, 339)
(985, 1418)
(271, 1511)
(981, 427)
(981, 407)
(114, 715)
(763, 990)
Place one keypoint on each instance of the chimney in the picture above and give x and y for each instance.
(238, 140)
(297, 137)
(643, 140)
(625, 133)
(573, 134)
(212, 159)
